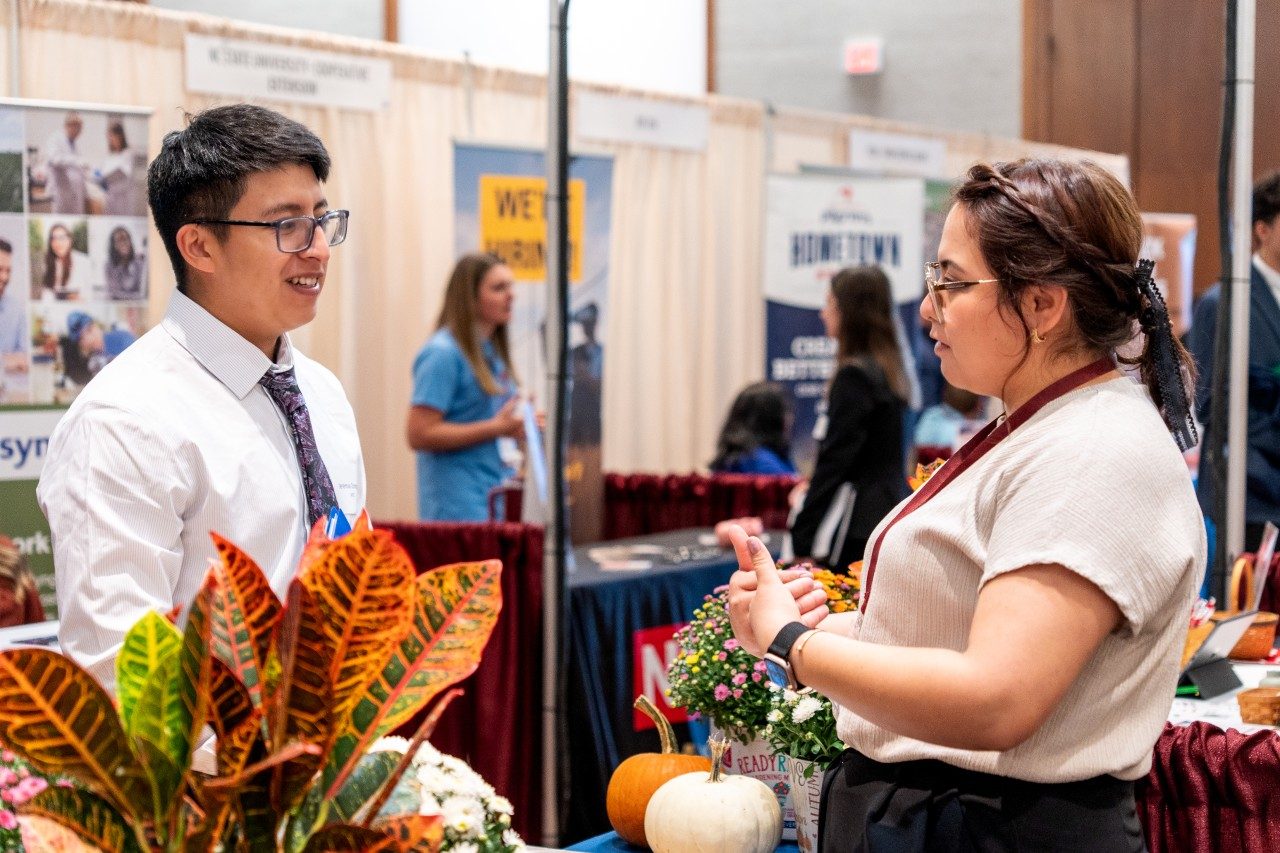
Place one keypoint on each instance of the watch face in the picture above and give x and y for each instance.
(776, 672)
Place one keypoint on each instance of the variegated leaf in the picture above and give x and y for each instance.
(457, 608)
(234, 749)
(298, 711)
(149, 640)
(363, 586)
(165, 778)
(243, 615)
(196, 664)
(418, 832)
(362, 784)
(91, 818)
(42, 835)
(342, 838)
(55, 715)
(160, 729)
(229, 702)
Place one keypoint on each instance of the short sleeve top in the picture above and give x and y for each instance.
(454, 485)
(1093, 482)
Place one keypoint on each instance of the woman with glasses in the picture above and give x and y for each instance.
(66, 269)
(464, 416)
(1023, 613)
(858, 475)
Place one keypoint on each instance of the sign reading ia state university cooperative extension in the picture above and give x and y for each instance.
(250, 69)
(816, 226)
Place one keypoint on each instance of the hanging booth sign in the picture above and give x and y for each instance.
(814, 227)
(904, 154)
(251, 69)
(641, 121)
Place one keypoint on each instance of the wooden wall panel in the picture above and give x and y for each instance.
(1144, 78)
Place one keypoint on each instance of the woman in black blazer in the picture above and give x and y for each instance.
(859, 475)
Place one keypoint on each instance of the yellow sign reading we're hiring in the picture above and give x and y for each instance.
(513, 224)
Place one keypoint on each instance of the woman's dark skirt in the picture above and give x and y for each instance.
(870, 807)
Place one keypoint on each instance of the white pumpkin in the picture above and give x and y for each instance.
(701, 813)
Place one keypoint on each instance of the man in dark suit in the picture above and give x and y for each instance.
(1262, 468)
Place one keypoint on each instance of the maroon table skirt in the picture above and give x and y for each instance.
(496, 725)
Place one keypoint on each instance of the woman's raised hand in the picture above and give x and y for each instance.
(762, 599)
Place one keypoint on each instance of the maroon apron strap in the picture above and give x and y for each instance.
(977, 447)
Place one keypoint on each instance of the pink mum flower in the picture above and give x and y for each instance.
(722, 693)
(731, 644)
(740, 679)
(8, 820)
(31, 786)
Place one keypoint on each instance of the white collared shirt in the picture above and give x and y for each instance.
(172, 440)
(1269, 275)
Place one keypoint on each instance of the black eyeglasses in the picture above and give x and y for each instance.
(295, 233)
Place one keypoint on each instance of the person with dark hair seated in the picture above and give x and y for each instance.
(212, 420)
(755, 436)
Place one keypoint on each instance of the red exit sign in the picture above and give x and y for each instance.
(864, 56)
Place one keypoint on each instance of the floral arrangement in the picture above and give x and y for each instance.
(476, 819)
(842, 589)
(714, 676)
(923, 473)
(802, 724)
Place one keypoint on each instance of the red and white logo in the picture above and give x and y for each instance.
(652, 651)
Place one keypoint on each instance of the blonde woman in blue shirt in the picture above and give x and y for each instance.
(465, 394)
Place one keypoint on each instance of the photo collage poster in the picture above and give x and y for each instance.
(73, 246)
(73, 285)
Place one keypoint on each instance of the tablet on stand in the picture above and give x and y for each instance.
(1210, 667)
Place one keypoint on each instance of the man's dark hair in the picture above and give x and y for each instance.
(201, 170)
(6, 246)
(1266, 199)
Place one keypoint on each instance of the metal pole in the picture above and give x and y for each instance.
(15, 50)
(1241, 264)
(553, 558)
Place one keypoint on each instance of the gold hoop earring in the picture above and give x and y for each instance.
(1035, 337)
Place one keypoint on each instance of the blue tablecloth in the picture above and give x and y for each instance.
(611, 843)
(610, 612)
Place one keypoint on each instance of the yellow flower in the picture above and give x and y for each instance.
(923, 473)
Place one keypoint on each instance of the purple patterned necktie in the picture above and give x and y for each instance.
(283, 388)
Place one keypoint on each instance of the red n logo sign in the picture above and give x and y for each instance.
(653, 650)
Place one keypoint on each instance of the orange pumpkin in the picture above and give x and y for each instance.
(635, 780)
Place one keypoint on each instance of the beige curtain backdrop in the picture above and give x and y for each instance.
(685, 327)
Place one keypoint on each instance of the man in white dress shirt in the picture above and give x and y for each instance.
(67, 167)
(176, 437)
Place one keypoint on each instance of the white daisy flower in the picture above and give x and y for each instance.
(805, 708)
(391, 743)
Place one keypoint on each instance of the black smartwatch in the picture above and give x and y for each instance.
(777, 660)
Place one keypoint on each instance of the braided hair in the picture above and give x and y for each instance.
(1073, 224)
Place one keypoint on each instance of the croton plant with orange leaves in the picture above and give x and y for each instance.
(295, 691)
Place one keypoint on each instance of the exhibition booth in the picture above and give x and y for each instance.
(699, 254)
